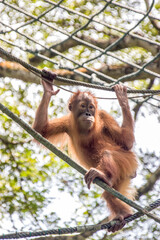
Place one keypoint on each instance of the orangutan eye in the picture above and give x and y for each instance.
(82, 105)
(91, 107)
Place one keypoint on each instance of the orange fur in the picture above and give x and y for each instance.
(105, 147)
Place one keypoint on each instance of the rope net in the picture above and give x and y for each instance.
(82, 42)
(88, 45)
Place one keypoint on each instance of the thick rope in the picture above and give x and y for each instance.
(73, 164)
(73, 82)
(69, 81)
(77, 229)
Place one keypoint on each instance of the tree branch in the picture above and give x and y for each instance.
(150, 183)
(128, 41)
(154, 22)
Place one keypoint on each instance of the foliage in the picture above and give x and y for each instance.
(37, 190)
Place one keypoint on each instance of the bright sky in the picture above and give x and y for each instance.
(147, 133)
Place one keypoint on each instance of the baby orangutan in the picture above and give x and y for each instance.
(100, 144)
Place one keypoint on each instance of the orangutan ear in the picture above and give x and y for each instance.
(70, 106)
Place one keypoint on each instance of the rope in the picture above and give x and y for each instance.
(106, 98)
(73, 82)
(69, 81)
(77, 229)
(73, 164)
